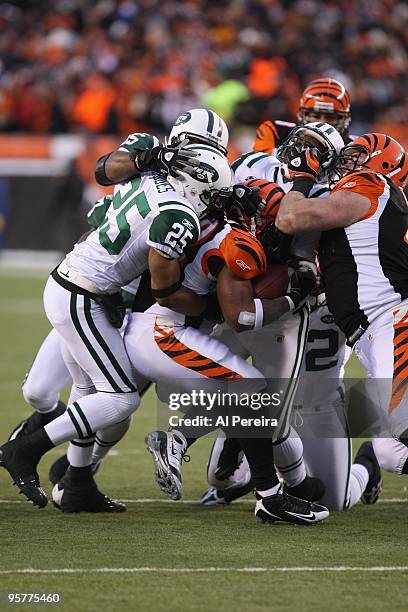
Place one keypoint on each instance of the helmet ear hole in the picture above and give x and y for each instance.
(385, 165)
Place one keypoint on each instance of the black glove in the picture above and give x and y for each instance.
(166, 160)
(275, 243)
(302, 282)
(246, 198)
(238, 202)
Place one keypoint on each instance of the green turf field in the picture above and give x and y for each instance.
(176, 556)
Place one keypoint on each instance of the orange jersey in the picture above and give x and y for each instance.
(365, 182)
(271, 134)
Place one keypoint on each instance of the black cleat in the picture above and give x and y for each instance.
(366, 457)
(74, 498)
(35, 421)
(310, 489)
(283, 508)
(22, 467)
(60, 466)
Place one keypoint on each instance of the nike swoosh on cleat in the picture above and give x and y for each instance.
(308, 517)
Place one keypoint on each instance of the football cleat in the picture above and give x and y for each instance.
(365, 456)
(72, 499)
(60, 466)
(23, 470)
(168, 450)
(35, 421)
(284, 508)
(213, 497)
(310, 489)
(221, 497)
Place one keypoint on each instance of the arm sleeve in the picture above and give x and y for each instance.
(138, 142)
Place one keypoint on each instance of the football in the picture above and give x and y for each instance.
(273, 283)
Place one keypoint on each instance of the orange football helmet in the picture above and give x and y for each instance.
(380, 153)
(329, 98)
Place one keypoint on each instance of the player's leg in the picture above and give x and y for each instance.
(228, 473)
(45, 380)
(184, 357)
(105, 439)
(99, 351)
(383, 353)
(392, 454)
(277, 352)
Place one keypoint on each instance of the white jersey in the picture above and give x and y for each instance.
(145, 213)
(220, 245)
(268, 167)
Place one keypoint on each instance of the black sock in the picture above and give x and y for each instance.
(79, 475)
(39, 442)
(259, 453)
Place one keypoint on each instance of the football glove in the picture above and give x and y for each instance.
(304, 166)
(302, 282)
(275, 243)
(166, 160)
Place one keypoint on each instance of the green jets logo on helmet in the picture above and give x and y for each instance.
(205, 173)
(183, 118)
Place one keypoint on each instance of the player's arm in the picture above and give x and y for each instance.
(236, 299)
(115, 167)
(244, 259)
(167, 288)
(299, 214)
(142, 153)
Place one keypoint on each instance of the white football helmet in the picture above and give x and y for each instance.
(199, 125)
(321, 136)
(213, 173)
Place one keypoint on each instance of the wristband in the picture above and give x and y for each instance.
(302, 184)
(252, 319)
(163, 293)
(258, 313)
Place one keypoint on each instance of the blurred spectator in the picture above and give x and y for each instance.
(112, 66)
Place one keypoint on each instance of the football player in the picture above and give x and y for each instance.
(364, 256)
(325, 356)
(178, 351)
(149, 225)
(324, 100)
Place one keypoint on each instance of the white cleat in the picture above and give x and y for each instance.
(168, 449)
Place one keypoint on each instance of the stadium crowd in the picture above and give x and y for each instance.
(132, 65)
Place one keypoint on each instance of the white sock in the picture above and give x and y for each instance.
(288, 458)
(358, 481)
(272, 491)
(105, 439)
(79, 452)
